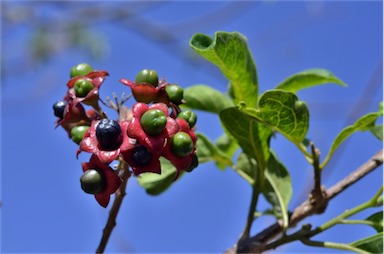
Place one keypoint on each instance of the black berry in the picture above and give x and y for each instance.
(194, 163)
(109, 135)
(141, 156)
(58, 108)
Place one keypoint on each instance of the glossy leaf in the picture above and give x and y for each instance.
(377, 218)
(205, 98)
(284, 112)
(252, 136)
(364, 123)
(278, 190)
(309, 78)
(207, 151)
(230, 52)
(372, 244)
(155, 184)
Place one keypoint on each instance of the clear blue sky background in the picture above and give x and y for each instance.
(45, 210)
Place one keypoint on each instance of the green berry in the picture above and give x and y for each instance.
(77, 133)
(181, 144)
(188, 116)
(83, 87)
(153, 121)
(81, 70)
(147, 76)
(93, 181)
(175, 93)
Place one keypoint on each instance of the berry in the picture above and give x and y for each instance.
(58, 108)
(141, 156)
(77, 133)
(188, 116)
(175, 93)
(81, 70)
(153, 121)
(109, 135)
(145, 93)
(92, 181)
(83, 87)
(194, 163)
(147, 76)
(181, 144)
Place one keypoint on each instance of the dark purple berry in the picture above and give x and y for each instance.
(109, 135)
(58, 108)
(194, 163)
(141, 156)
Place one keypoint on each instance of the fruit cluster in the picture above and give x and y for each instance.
(156, 127)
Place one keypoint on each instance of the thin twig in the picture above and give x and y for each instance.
(119, 196)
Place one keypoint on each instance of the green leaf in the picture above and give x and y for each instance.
(278, 190)
(372, 244)
(284, 112)
(379, 201)
(230, 53)
(377, 218)
(364, 123)
(155, 184)
(309, 78)
(227, 144)
(252, 136)
(377, 131)
(278, 187)
(246, 168)
(207, 151)
(205, 98)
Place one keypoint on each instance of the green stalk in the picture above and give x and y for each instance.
(348, 213)
(333, 245)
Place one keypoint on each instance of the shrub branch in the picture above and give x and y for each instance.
(257, 243)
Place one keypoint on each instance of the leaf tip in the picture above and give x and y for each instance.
(201, 41)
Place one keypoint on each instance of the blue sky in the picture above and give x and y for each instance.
(45, 210)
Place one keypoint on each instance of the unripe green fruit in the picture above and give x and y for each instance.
(188, 116)
(77, 133)
(81, 70)
(153, 121)
(175, 93)
(93, 181)
(181, 144)
(83, 87)
(147, 76)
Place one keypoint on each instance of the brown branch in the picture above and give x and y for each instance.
(309, 207)
(119, 196)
